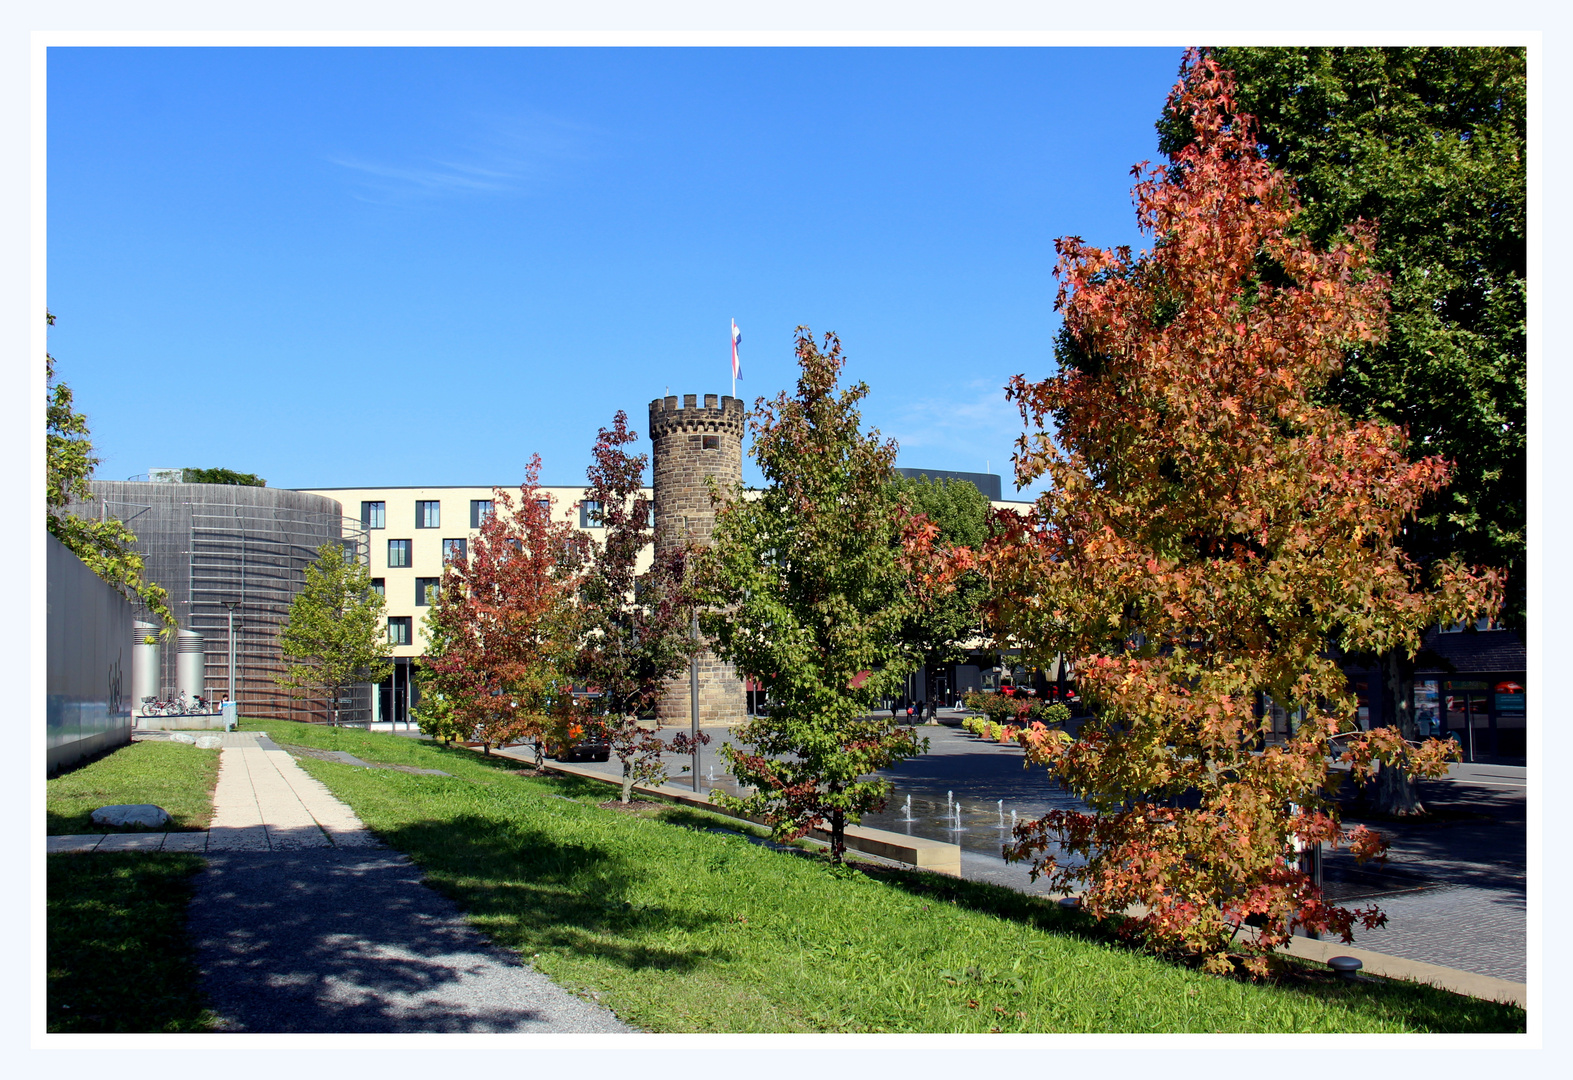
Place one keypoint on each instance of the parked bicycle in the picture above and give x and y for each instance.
(153, 705)
(179, 705)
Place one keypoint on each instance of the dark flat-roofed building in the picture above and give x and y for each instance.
(988, 483)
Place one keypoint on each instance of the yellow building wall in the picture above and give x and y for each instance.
(399, 521)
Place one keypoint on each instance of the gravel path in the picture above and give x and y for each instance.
(343, 940)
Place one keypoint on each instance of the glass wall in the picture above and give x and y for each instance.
(1483, 714)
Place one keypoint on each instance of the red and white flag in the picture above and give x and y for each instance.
(737, 337)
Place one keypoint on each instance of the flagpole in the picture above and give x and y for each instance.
(730, 340)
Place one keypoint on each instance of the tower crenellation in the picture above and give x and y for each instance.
(692, 445)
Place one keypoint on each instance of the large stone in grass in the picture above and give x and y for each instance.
(209, 742)
(181, 736)
(144, 814)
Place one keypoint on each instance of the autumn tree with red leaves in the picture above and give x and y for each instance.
(1211, 536)
(504, 626)
(635, 626)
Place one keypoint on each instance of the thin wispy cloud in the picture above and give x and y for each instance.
(969, 430)
(493, 154)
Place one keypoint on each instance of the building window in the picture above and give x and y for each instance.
(589, 514)
(373, 515)
(480, 512)
(1485, 622)
(455, 548)
(398, 553)
(428, 514)
(399, 630)
(422, 584)
(711, 442)
(380, 587)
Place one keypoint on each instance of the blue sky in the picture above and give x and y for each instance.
(337, 267)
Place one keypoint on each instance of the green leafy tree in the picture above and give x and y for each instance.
(1429, 143)
(222, 476)
(106, 545)
(334, 636)
(810, 585)
(938, 630)
(436, 715)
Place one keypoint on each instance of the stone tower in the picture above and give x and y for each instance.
(691, 444)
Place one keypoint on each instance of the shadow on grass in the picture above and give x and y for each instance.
(532, 892)
(1425, 1006)
(119, 958)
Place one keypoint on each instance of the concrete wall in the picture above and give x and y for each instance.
(88, 661)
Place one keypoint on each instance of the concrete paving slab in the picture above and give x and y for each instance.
(241, 738)
(131, 842)
(261, 787)
(87, 842)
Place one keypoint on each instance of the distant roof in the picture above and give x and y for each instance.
(987, 483)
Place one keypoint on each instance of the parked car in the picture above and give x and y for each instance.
(589, 749)
(592, 747)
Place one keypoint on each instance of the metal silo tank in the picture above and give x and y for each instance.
(189, 661)
(145, 672)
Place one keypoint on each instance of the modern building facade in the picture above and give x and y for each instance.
(229, 556)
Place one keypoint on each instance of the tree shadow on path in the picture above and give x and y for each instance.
(352, 941)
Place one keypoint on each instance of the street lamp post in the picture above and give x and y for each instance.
(693, 698)
(231, 605)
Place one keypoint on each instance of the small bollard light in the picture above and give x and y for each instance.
(1347, 966)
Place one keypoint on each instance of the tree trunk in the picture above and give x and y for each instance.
(1394, 793)
(628, 780)
(838, 835)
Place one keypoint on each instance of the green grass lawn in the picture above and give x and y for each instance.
(680, 923)
(118, 956)
(177, 776)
